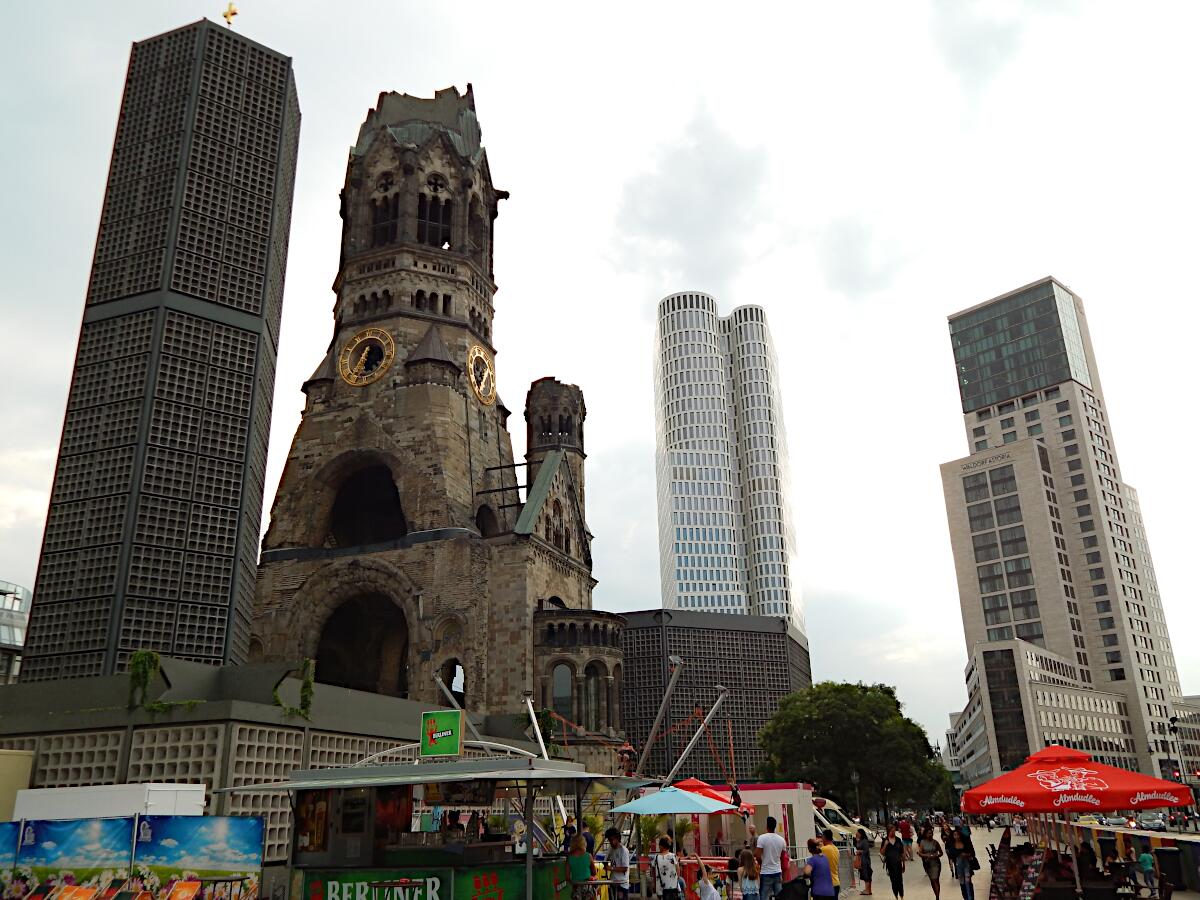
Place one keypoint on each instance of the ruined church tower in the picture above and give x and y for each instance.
(405, 541)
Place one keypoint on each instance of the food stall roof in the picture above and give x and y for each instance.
(554, 776)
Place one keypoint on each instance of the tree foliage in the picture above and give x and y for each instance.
(826, 733)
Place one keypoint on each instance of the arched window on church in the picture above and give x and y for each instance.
(385, 220)
(434, 218)
(562, 696)
(475, 230)
(447, 305)
(367, 509)
(592, 685)
(556, 518)
(485, 522)
(454, 676)
(419, 300)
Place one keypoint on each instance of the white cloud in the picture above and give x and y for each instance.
(49, 845)
(169, 842)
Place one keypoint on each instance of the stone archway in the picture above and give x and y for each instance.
(363, 645)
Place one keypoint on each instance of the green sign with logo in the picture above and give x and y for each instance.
(495, 881)
(441, 733)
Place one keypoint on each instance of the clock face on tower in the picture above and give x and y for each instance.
(482, 375)
(366, 357)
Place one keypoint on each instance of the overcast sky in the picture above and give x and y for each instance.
(859, 169)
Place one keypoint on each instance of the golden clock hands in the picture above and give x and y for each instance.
(361, 365)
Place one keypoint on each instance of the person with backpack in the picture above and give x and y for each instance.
(665, 866)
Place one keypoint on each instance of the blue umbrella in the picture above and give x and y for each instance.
(673, 801)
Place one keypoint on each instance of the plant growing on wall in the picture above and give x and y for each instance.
(144, 666)
(308, 673)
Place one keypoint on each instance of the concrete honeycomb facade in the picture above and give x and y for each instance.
(152, 533)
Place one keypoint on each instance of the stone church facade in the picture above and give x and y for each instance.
(399, 546)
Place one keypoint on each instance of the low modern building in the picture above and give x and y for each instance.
(761, 659)
(14, 619)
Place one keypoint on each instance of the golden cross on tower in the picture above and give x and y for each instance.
(230, 12)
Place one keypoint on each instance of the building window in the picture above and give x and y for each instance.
(561, 683)
(1034, 430)
(1006, 423)
(980, 516)
(979, 431)
(1012, 541)
(980, 445)
(975, 487)
(1033, 415)
(1008, 510)
(991, 578)
(1116, 674)
(1061, 406)
(1004, 480)
(986, 546)
(1009, 437)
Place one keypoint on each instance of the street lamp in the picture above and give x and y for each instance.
(857, 795)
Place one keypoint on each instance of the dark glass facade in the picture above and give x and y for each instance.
(152, 533)
(1008, 715)
(1017, 344)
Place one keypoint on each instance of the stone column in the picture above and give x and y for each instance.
(578, 703)
(610, 703)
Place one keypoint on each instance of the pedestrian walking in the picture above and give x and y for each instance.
(747, 875)
(906, 833)
(930, 852)
(816, 867)
(863, 847)
(769, 853)
(829, 848)
(583, 870)
(891, 851)
(665, 867)
(965, 865)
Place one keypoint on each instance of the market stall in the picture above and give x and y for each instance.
(429, 830)
(1063, 780)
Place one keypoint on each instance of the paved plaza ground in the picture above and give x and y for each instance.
(917, 886)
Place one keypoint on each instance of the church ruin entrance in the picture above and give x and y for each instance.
(364, 646)
(367, 509)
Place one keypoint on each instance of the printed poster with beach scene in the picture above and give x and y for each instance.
(223, 852)
(85, 852)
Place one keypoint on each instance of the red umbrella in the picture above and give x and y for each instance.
(696, 786)
(1059, 779)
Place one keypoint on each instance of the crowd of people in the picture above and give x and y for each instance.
(931, 842)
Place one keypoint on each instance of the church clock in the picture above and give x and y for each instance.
(482, 375)
(366, 357)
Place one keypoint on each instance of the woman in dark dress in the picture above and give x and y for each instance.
(893, 854)
(864, 845)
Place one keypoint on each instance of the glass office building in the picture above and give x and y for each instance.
(725, 534)
(14, 619)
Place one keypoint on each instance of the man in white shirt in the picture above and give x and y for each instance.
(769, 852)
(617, 860)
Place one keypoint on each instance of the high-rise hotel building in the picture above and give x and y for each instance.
(151, 538)
(1065, 633)
(726, 543)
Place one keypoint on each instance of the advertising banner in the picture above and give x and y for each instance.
(9, 832)
(85, 852)
(441, 733)
(223, 851)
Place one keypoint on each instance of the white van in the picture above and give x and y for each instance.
(827, 814)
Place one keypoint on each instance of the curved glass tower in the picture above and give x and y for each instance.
(725, 537)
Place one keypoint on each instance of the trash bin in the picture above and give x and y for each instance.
(1170, 865)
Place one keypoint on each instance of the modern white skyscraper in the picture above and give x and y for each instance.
(725, 531)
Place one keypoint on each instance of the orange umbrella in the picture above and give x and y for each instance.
(696, 786)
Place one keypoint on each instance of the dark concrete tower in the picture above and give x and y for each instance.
(152, 533)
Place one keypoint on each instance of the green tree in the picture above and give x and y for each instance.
(828, 732)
